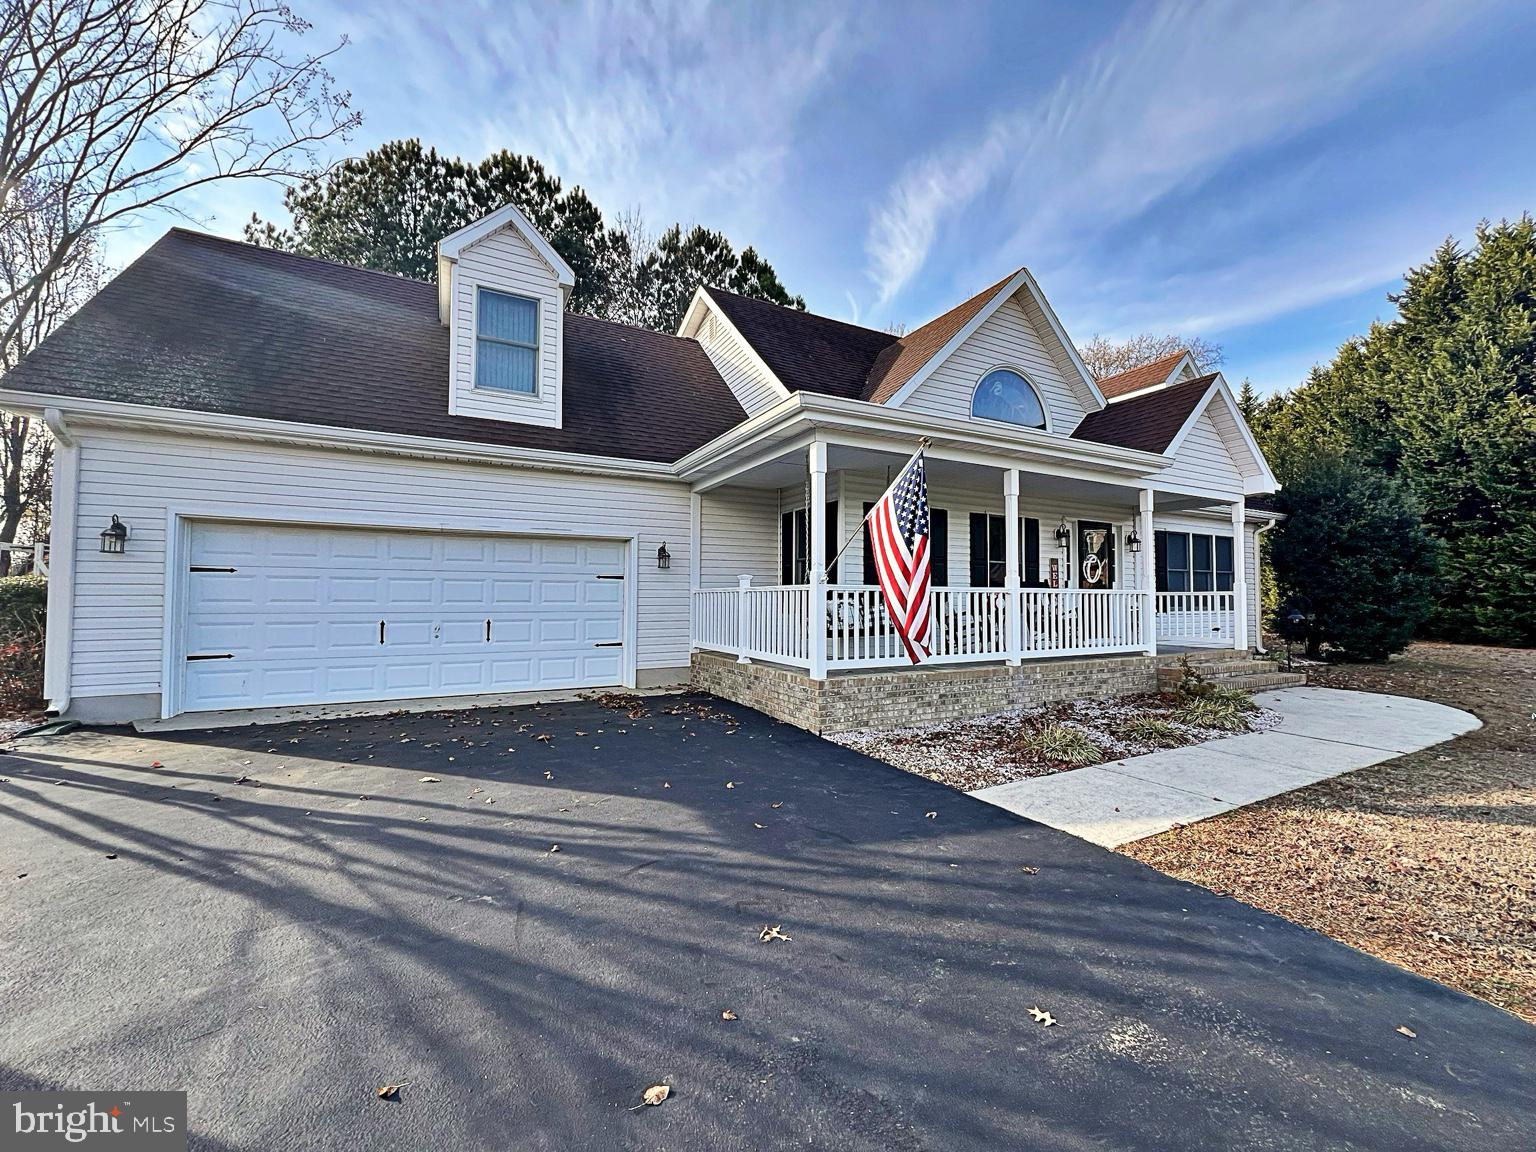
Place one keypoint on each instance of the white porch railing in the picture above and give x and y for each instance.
(968, 624)
(1198, 619)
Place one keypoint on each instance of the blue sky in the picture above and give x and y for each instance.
(1258, 174)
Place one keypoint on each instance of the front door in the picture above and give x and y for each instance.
(1096, 554)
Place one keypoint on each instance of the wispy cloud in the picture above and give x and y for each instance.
(687, 108)
(1176, 94)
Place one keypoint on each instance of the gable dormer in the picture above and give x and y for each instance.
(502, 291)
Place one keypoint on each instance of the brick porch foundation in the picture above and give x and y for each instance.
(896, 699)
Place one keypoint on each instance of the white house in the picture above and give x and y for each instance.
(341, 486)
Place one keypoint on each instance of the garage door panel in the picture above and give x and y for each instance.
(513, 592)
(299, 615)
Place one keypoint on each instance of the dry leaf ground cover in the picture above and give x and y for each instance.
(1014, 745)
(1429, 860)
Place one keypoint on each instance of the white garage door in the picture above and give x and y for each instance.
(297, 615)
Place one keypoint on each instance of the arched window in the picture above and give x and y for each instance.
(1005, 395)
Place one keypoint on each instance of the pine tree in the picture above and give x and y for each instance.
(387, 209)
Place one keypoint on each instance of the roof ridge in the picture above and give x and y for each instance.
(394, 277)
(799, 311)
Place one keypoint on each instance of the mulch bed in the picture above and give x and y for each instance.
(1429, 860)
(980, 753)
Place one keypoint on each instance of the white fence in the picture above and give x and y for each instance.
(967, 624)
(1198, 619)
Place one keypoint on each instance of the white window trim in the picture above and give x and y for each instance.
(538, 346)
(1030, 381)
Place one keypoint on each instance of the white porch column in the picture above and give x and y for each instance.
(695, 561)
(1148, 574)
(742, 617)
(816, 617)
(1011, 595)
(1239, 578)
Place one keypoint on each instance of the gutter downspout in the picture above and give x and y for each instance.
(61, 574)
(1258, 587)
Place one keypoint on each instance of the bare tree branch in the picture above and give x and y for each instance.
(113, 109)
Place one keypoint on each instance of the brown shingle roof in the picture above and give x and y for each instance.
(1135, 379)
(902, 360)
(808, 353)
(1147, 423)
(213, 325)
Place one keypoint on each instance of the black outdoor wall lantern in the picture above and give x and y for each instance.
(663, 557)
(1063, 533)
(115, 537)
(1133, 542)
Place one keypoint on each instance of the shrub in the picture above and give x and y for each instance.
(1060, 744)
(1150, 730)
(1355, 553)
(23, 617)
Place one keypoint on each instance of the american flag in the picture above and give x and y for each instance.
(898, 528)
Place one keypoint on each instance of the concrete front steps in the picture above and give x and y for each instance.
(1231, 669)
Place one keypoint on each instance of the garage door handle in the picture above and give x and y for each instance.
(208, 568)
(381, 631)
(603, 577)
(609, 644)
(213, 656)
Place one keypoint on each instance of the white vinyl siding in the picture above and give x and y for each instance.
(1006, 339)
(753, 388)
(739, 536)
(1203, 464)
(119, 600)
(505, 262)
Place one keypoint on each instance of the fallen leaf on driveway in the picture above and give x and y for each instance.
(931, 815)
(728, 1015)
(1028, 871)
(390, 1091)
(1042, 1017)
(156, 764)
(1407, 1031)
(554, 847)
(730, 783)
(430, 780)
(546, 737)
(777, 804)
(548, 775)
(771, 933)
(755, 824)
(655, 1094)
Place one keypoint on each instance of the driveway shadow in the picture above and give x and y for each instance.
(560, 914)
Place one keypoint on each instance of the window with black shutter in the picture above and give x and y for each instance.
(1031, 552)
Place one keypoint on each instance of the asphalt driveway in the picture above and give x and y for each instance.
(280, 920)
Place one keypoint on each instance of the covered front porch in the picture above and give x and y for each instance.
(1035, 557)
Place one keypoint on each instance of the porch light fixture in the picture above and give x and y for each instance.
(115, 537)
(1063, 534)
(663, 557)
(1133, 542)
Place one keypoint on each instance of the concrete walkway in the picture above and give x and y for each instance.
(1324, 732)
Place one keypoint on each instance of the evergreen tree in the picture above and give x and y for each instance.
(387, 209)
(1443, 396)
(1353, 552)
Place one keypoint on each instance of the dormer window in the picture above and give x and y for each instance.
(1006, 395)
(506, 342)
